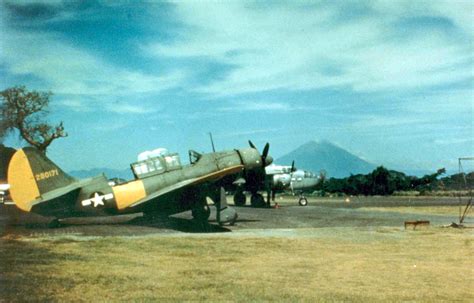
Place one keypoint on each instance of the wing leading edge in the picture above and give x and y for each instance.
(212, 177)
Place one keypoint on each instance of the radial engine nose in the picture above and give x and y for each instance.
(250, 158)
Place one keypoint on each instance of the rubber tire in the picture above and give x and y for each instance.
(303, 201)
(257, 200)
(240, 199)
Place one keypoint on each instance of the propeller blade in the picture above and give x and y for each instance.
(292, 166)
(322, 175)
(252, 145)
(268, 160)
(265, 150)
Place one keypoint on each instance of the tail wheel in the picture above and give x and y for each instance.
(303, 201)
(239, 199)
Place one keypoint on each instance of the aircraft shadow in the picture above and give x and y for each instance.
(179, 224)
(246, 221)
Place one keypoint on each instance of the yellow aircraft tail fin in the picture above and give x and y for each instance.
(31, 174)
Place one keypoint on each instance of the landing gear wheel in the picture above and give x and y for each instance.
(239, 199)
(303, 201)
(54, 223)
(257, 200)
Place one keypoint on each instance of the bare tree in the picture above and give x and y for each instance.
(26, 111)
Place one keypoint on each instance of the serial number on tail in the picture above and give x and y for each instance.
(47, 175)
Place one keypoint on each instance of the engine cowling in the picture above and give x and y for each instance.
(281, 181)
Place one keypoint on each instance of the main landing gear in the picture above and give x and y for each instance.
(256, 199)
(224, 213)
(239, 198)
(303, 201)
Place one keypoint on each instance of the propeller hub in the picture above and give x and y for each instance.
(268, 160)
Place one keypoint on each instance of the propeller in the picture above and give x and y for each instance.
(265, 150)
(266, 159)
(293, 169)
(252, 145)
(322, 175)
(258, 176)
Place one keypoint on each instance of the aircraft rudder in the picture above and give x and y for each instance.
(31, 174)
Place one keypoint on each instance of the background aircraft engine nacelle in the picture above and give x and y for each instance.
(281, 181)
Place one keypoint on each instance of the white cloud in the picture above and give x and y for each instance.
(261, 106)
(70, 70)
(298, 48)
(248, 133)
(129, 109)
(451, 141)
(76, 104)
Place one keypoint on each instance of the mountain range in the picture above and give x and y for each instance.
(324, 155)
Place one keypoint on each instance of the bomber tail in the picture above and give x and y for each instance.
(31, 174)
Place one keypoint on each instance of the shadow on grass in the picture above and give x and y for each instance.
(179, 224)
(38, 224)
(22, 265)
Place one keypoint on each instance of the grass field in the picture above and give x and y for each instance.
(438, 210)
(327, 264)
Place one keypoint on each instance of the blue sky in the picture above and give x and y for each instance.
(390, 81)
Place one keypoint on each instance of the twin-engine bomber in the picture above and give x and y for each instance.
(162, 186)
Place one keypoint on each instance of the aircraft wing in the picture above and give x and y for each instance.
(212, 177)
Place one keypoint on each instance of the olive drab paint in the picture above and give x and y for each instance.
(39, 185)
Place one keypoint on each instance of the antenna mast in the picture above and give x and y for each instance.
(212, 142)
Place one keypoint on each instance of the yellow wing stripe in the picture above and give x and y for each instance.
(23, 187)
(128, 193)
(219, 174)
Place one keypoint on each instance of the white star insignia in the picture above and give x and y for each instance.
(97, 199)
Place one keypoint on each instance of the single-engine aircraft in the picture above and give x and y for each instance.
(162, 186)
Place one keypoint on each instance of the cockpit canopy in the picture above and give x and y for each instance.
(194, 156)
(154, 163)
(286, 169)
